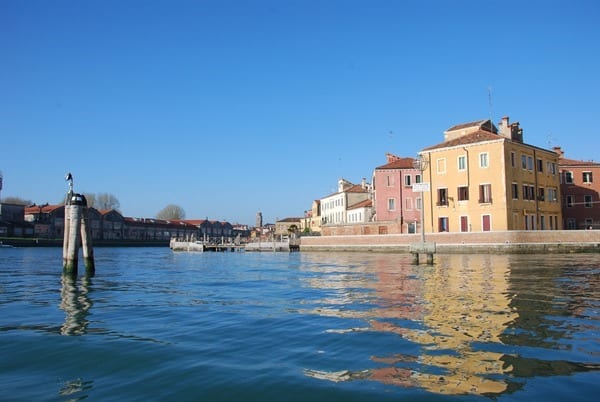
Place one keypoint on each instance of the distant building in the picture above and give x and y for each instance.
(287, 226)
(259, 219)
(580, 189)
(394, 199)
(12, 222)
(334, 207)
(311, 221)
(361, 212)
(48, 220)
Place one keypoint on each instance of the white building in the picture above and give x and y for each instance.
(335, 207)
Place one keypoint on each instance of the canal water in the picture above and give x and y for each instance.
(154, 325)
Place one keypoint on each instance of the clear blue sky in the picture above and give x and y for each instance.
(227, 108)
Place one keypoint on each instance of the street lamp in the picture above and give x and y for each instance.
(420, 163)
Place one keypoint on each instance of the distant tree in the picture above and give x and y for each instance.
(171, 212)
(16, 201)
(90, 198)
(102, 201)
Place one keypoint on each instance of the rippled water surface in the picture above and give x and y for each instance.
(157, 325)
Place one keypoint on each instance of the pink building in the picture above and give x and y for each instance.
(394, 199)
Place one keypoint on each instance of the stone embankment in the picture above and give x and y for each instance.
(523, 242)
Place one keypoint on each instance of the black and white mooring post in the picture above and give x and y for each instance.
(77, 232)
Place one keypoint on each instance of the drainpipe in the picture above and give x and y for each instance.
(430, 190)
(535, 181)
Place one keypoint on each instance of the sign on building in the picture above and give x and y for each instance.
(420, 187)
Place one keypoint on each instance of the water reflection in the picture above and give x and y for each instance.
(73, 389)
(76, 304)
(465, 315)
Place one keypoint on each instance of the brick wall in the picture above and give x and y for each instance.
(401, 242)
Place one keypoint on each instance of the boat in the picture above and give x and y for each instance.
(183, 245)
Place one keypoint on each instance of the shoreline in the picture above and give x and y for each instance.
(517, 242)
(39, 242)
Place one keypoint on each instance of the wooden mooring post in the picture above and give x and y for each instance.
(422, 248)
(77, 233)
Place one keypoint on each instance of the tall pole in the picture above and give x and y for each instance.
(427, 248)
(421, 164)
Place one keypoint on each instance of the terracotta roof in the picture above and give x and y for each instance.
(402, 163)
(362, 204)
(482, 124)
(357, 188)
(575, 162)
(36, 209)
(473, 138)
(196, 222)
(290, 220)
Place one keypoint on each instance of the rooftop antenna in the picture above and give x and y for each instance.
(490, 104)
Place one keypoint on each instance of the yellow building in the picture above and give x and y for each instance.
(483, 178)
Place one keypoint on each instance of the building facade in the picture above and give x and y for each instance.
(334, 207)
(393, 195)
(580, 189)
(483, 178)
(48, 222)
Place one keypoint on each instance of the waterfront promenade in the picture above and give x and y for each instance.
(513, 241)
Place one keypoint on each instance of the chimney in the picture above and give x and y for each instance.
(512, 131)
(559, 151)
(391, 157)
(363, 183)
(503, 127)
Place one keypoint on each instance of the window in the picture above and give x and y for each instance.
(485, 193)
(552, 195)
(524, 161)
(542, 222)
(571, 224)
(529, 163)
(568, 177)
(484, 160)
(407, 181)
(443, 224)
(569, 201)
(515, 191)
(390, 181)
(463, 193)
(462, 162)
(408, 202)
(441, 165)
(528, 192)
(541, 194)
(391, 204)
(587, 201)
(419, 203)
(540, 165)
(513, 159)
(587, 177)
(417, 178)
(551, 167)
(442, 196)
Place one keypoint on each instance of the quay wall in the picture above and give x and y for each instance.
(547, 241)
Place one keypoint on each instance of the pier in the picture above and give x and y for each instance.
(202, 246)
